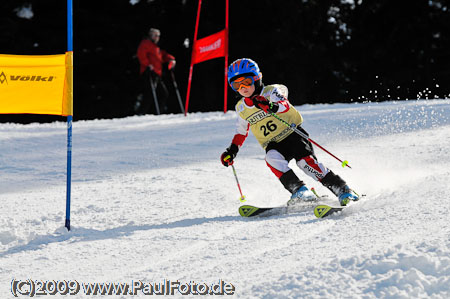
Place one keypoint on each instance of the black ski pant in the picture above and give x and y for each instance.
(162, 93)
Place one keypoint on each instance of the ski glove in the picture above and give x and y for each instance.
(171, 64)
(227, 157)
(264, 104)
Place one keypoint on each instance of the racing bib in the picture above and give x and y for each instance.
(265, 127)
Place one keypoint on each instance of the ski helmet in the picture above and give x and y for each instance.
(242, 67)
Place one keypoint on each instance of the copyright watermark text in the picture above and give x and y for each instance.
(32, 288)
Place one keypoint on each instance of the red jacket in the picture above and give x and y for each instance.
(150, 54)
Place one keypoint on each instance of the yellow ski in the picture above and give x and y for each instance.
(324, 210)
(250, 211)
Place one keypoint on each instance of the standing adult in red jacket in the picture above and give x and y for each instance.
(152, 59)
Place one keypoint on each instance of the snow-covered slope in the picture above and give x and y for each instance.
(151, 201)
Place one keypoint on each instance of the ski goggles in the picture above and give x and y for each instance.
(241, 82)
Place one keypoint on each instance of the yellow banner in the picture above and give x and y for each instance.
(36, 84)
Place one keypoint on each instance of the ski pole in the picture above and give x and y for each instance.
(177, 91)
(293, 127)
(154, 93)
(242, 199)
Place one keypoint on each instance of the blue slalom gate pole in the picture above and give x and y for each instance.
(69, 169)
(69, 118)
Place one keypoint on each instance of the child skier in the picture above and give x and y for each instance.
(281, 146)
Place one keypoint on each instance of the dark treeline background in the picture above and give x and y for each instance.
(324, 50)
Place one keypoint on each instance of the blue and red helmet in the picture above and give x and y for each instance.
(243, 67)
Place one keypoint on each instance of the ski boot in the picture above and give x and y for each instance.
(346, 195)
(302, 194)
(340, 188)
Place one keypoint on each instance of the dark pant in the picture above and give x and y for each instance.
(147, 104)
(293, 147)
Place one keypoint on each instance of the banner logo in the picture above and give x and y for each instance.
(35, 78)
(32, 78)
(3, 78)
(216, 45)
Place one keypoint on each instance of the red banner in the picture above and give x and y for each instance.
(210, 47)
